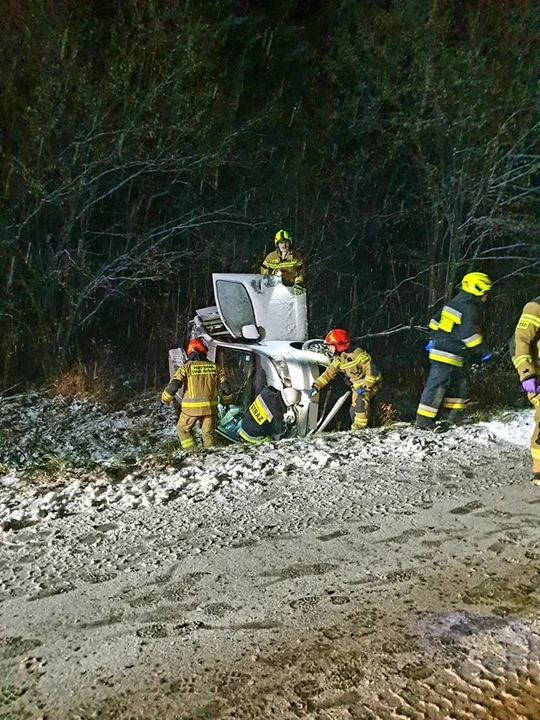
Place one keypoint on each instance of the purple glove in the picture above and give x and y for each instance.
(530, 385)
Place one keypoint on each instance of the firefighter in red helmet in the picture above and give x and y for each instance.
(359, 370)
(202, 379)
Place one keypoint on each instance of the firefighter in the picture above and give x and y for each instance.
(285, 261)
(201, 380)
(454, 332)
(526, 359)
(359, 370)
(264, 418)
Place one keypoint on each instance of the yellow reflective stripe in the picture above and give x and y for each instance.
(453, 403)
(225, 399)
(433, 324)
(454, 314)
(250, 439)
(520, 359)
(165, 397)
(532, 319)
(446, 357)
(198, 402)
(360, 421)
(535, 453)
(426, 411)
(273, 264)
(187, 443)
(372, 378)
(473, 340)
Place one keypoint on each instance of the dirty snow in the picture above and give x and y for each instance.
(118, 448)
(317, 578)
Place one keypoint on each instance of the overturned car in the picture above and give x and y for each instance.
(258, 333)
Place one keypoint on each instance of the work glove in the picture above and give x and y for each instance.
(160, 404)
(298, 289)
(486, 357)
(429, 345)
(530, 385)
(360, 390)
(313, 391)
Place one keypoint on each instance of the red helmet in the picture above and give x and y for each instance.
(339, 339)
(196, 344)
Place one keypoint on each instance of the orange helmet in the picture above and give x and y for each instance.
(196, 344)
(339, 339)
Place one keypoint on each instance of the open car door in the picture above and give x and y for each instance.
(260, 307)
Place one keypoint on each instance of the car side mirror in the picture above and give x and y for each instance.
(250, 332)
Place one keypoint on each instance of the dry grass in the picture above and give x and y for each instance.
(82, 381)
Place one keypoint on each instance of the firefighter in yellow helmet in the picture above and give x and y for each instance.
(454, 332)
(360, 372)
(526, 359)
(285, 261)
(201, 380)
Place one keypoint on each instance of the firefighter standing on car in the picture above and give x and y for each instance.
(285, 261)
(455, 331)
(526, 359)
(264, 418)
(360, 372)
(201, 380)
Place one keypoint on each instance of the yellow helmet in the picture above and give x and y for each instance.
(476, 283)
(282, 235)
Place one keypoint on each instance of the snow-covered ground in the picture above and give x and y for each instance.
(244, 579)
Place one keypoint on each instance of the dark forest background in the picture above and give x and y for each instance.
(145, 144)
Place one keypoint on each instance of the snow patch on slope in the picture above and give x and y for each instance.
(114, 465)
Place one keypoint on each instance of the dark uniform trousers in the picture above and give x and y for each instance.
(446, 387)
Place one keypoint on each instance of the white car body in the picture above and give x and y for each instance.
(258, 333)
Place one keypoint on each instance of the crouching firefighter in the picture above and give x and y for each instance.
(525, 350)
(360, 373)
(454, 332)
(264, 419)
(201, 380)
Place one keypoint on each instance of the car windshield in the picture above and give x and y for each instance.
(235, 306)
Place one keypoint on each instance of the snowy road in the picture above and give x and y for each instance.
(370, 575)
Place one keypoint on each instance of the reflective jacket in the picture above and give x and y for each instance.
(358, 367)
(291, 267)
(455, 330)
(264, 417)
(201, 380)
(526, 345)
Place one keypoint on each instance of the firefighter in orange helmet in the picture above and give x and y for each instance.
(285, 261)
(201, 379)
(359, 370)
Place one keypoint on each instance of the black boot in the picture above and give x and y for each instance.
(425, 423)
(455, 417)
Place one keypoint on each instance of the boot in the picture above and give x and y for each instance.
(536, 479)
(455, 417)
(425, 423)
